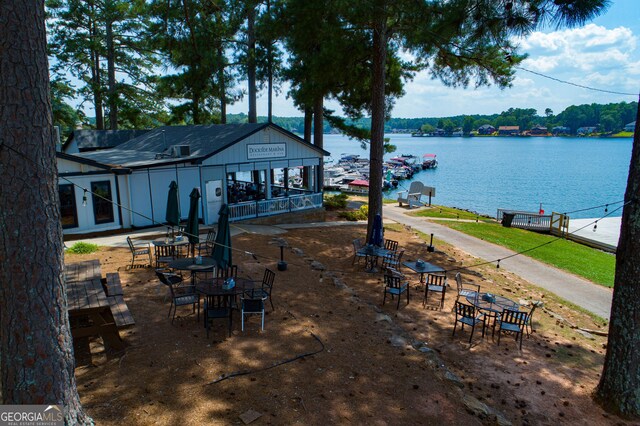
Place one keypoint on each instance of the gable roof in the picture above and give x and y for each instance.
(204, 141)
(89, 140)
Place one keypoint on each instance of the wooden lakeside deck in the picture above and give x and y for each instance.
(561, 225)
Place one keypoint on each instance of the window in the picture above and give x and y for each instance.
(102, 207)
(68, 212)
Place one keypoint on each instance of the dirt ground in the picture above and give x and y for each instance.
(365, 363)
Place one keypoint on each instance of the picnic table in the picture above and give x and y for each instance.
(91, 309)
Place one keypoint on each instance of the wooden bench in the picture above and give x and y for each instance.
(121, 314)
(119, 308)
(112, 284)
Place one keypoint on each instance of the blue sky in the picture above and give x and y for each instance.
(603, 54)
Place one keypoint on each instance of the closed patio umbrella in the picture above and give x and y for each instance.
(173, 206)
(222, 248)
(376, 232)
(193, 227)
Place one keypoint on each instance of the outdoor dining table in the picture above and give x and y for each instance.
(491, 304)
(423, 268)
(175, 246)
(372, 253)
(171, 243)
(189, 264)
(215, 287)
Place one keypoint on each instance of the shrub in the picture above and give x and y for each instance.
(335, 202)
(82, 248)
(360, 214)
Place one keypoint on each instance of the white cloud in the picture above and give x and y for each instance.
(593, 55)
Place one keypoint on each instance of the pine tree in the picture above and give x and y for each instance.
(36, 345)
(99, 42)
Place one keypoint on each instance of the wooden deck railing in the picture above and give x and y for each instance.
(525, 220)
(252, 209)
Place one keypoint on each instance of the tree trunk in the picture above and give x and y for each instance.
(377, 114)
(97, 91)
(619, 387)
(270, 88)
(308, 122)
(251, 62)
(195, 109)
(269, 74)
(35, 341)
(111, 72)
(96, 88)
(222, 87)
(318, 136)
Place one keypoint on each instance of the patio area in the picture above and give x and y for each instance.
(364, 362)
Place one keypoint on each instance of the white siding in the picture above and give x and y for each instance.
(238, 152)
(160, 180)
(86, 218)
(140, 199)
(153, 204)
(125, 200)
(188, 178)
(67, 166)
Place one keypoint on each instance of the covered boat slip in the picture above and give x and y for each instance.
(258, 169)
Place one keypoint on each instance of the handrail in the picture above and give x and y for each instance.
(274, 206)
(527, 220)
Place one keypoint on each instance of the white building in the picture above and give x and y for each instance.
(251, 167)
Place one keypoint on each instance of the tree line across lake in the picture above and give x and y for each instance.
(604, 118)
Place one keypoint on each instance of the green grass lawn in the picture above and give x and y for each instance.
(589, 263)
(450, 213)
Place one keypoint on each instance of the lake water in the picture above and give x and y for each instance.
(484, 174)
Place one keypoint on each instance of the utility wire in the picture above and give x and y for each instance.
(154, 222)
(606, 206)
(256, 256)
(575, 84)
(463, 267)
(480, 60)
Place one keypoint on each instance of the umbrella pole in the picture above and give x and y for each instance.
(282, 265)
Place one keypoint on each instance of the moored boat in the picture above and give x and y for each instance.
(429, 161)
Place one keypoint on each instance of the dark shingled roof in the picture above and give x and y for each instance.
(91, 140)
(203, 140)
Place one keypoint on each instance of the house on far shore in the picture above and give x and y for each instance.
(509, 130)
(538, 130)
(631, 127)
(560, 130)
(257, 169)
(584, 131)
(486, 129)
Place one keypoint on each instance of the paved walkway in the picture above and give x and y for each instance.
(590, 296)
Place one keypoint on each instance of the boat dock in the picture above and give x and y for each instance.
(607, 232)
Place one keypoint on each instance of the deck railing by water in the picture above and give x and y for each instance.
(263, 208)
(526, 220)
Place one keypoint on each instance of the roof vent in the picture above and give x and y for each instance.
(180, 151)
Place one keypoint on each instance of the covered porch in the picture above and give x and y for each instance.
(280, 187)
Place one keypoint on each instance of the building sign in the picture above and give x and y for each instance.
(266, 150)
